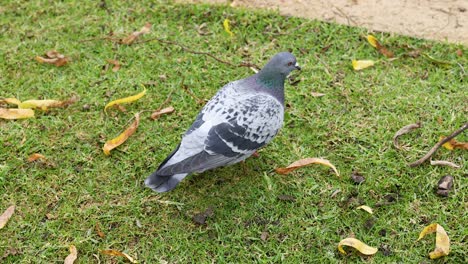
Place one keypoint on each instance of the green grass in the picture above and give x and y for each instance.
(352, 126)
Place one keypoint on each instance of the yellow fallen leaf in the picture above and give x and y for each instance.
(157, 114)
(12, 101)
(373, 41)
(125, 100)
(453, 144)
(132, 37)
(112, 252)
(304, 162)
(120, 139)
(45, 104)
(6, 216)
(227, 27)
(362, 64)
(357, 244)
(36, 156)
(53, 57)
(365, 208)
(73, 255)
(442, 247)
(16, 113)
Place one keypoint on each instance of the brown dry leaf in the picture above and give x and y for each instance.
(120, 139)
(132, 37)
(116, 64)
(365, 208)
(6, 216)
(402, 131)
(157, 114)
(304, 162)
(73, 255)
(16, 113)
(376, 44)
(45, 104)
(357, 244)
(99, 232)
(445, 163)
(53, 57)
(125, 100)
(112, 252)
(36, 156)
(314, 94)
(453, 144)
(442, 247)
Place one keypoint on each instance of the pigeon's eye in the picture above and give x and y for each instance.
(290, 63)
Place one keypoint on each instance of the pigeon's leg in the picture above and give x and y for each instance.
(256, 154)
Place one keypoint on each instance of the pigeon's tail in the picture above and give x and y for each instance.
(162, 184)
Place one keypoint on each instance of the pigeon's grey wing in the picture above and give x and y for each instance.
(246, 125)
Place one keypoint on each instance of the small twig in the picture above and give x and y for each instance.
(100, 38)
(185, 88)
(243, 64)
(438, 145)
(327, 68)
(168, 99)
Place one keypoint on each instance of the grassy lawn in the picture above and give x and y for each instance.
(60, 202)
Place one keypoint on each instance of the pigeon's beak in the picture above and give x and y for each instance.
(297, 66)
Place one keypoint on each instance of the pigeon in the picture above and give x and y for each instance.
(243, 116)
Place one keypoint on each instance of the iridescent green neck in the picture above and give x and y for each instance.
(271, 80)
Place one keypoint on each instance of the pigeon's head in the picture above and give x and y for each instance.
(283, 63)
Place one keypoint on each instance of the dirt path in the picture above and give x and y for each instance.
(431, 19)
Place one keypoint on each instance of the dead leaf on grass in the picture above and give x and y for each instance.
(12, 101)
(116, 64)
(16, 113)
(120, 139)
(357, 177)
(157, 114)
(73, 255)
(380, 48)
(132, 37)
(36, 156)
(358, 245)
(305, 162)
(315, 94)
(53, 57)
(125, 100)
(402, 131)
(445, 163)
(442, 247)
(200, 218)
(362, 64)
(365, 208)
(99, 232)
(45, 104)
(453, 144)
(6, 216)
(444, 185)
(112, 252)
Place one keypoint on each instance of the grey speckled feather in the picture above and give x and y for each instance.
(242, 117)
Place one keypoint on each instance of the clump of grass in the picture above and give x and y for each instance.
(352, 126)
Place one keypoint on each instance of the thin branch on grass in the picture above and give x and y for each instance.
(438, 145)
(243, 64)
(185, 88)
